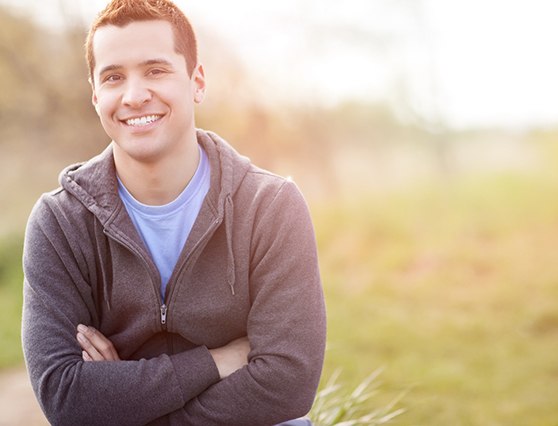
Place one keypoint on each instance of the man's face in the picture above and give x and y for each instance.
(142, 91)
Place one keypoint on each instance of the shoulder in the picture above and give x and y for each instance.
(271, 201)
(270, 187)
(47, 206)
(54, 213)
(248, 184)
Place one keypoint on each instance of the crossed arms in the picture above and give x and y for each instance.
(97, 347)
(285, 328)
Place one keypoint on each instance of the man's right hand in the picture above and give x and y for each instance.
(96, 347)
(231, 357)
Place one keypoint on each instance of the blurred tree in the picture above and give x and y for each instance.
(46, 117)
(47, 121)
(45, 104)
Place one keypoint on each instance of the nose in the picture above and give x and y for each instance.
(136, 93)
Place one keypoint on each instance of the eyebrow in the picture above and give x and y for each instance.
(156, 61)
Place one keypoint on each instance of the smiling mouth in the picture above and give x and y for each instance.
(142, 121)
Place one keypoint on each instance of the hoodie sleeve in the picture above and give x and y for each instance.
(286, 326)
(57, 297)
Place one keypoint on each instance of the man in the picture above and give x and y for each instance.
(168, 280)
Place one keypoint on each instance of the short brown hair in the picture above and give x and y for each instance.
(124, 12)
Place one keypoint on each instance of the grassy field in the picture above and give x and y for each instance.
(451, 288)
(11, 279)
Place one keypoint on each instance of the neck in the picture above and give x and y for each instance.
(157, 182)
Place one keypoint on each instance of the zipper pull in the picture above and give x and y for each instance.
(164, 314)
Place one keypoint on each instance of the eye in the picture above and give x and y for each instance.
(112, 78)
(155, 72)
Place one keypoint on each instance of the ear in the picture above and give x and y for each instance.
(198, 80)
(94, 100)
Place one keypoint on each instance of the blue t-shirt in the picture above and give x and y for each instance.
(164, 229)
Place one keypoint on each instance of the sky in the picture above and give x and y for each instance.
(463, 63)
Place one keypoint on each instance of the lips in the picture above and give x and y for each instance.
(143, 120)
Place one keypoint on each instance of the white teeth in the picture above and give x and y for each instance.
(142, 121)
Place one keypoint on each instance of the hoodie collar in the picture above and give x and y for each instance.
(94, 182)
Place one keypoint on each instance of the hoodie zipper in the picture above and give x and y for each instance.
(170, 286)
(164, 316)
(162, 306)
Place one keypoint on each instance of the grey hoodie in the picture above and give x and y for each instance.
(248, 268)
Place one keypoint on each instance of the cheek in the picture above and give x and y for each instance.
(179, 93)
(106, 111)
(106, 106)
(183, 101)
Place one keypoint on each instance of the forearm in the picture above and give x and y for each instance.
(287, 337)
(266, 392)
(60, 293)
(282, 375)
(276, 406)
(72, 391)
(280, 380)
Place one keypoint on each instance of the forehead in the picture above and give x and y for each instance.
(133, 43)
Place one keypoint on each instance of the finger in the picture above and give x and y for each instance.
(89, 348)
(103, 345)
(86, 356)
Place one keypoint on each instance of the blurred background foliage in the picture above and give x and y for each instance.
(437, 245)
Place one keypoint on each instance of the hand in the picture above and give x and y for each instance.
(231, 357)
(96, 347)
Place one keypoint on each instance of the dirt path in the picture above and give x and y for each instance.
(18, 406)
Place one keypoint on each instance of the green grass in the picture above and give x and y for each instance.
(11, 280)
(334, 405)
(453, 290)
